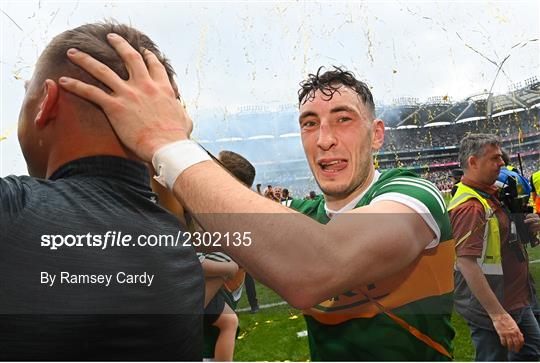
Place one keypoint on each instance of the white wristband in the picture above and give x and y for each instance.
(172, 159)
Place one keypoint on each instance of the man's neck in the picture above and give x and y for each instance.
(336, 204)
(63, 154)
(476, 183)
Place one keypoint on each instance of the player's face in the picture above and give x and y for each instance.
(338, 136)
(489, 164)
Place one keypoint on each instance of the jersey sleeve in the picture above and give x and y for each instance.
(423, 197)
(217, 257)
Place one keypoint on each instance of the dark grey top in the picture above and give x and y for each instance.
(79, 317)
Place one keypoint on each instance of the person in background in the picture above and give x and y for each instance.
(286, 199)
(493, 289)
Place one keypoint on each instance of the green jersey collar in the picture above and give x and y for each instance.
(350, 206)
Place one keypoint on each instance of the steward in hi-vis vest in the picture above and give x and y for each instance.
(490, 262)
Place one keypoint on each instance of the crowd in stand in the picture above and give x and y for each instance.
(519, 132)
(449, 135)
(441, 178)
(283, 195)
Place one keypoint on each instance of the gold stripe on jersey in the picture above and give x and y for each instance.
(430, 275)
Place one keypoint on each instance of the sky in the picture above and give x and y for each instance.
(232, 54)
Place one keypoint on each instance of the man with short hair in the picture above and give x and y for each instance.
(238, 166)
(75, 284)
(493, 291)
(371, 267)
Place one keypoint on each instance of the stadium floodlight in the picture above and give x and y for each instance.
(532, 81)
(516, 86)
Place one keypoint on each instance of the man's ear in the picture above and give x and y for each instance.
(377, 134)
(472, 161)
(49, 105)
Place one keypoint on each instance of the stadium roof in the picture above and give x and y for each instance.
(475, 107)
(260, 123)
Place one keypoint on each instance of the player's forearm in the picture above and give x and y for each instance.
(304, 261)
(283, 251)
(479, 285)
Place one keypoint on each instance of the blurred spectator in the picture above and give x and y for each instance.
(286, 200)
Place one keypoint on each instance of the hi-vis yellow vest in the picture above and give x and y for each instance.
(535, 180)
(490, 261)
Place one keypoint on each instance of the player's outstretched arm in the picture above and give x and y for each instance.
(304, 261)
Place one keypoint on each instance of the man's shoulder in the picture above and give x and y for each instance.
(392, 175)
(15, 191)
(13, 181)
(399, 177)
(409, 184)
(407, 188)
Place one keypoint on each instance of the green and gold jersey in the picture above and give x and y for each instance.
(351, 327)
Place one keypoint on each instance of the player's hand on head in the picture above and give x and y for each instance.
(144, 110)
